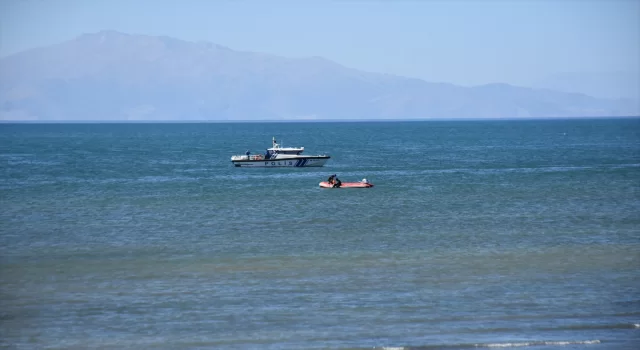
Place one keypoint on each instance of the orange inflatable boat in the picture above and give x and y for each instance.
(325, 184)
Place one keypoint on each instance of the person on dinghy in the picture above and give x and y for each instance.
(336, 181)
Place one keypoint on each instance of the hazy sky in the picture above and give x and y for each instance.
(463, 42)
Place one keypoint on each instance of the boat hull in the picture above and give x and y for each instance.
(314, 161)
(325, 184)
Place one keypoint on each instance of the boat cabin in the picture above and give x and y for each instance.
(276, 149)
(281, 150)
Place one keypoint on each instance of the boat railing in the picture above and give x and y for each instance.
(249, 157)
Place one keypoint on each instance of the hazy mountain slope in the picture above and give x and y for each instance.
(114, 76)
(617, 84)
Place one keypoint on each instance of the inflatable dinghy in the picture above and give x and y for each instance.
(325, 184)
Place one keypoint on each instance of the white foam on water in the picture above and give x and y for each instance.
(537, 343)
(636, 325)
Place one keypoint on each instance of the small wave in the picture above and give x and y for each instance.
(173, 162)
(493, 345)
(32, 162)
(152, 179)
(622, 166)
(194, 170)
(15, 155)
(537, 343)
(593, 326)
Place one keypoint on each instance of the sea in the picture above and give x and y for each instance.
(476, 234)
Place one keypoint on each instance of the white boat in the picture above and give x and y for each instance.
(278, 156)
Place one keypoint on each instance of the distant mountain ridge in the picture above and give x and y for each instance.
(114, 76)
(605, 84)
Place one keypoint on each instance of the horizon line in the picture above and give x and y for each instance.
(275, 121)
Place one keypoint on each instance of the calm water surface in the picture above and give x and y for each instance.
(476, 234)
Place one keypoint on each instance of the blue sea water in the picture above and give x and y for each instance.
(476, 234)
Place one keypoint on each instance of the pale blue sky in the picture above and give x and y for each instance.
(462, 42)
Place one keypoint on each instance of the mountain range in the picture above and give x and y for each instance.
(110, 76)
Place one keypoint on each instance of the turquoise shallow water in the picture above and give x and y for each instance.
(487, 233)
